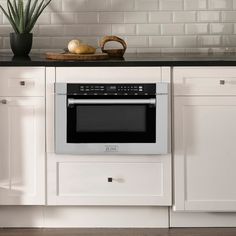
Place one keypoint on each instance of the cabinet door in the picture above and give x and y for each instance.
(205, 153)
(22, 156)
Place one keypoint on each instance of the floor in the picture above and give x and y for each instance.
(120, 232)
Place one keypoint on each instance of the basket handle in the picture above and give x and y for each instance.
(112, 38)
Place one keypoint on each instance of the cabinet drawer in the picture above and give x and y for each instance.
(204, 81)
(81, 183)
(110, 179)
(111, 74)
(22, 81)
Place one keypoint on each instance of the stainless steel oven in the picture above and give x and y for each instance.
(111, 118)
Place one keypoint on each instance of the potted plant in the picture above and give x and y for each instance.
(22, 18)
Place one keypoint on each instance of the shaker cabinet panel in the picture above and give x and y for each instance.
(204, 153)
(73, 182)
(204, 81)
(111, 74)
(22, 157)
(22, 81)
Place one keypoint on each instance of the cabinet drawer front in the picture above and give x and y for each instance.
(110, 179)
(204, 81)
(22, 81)
(109, 183)
(111, 74)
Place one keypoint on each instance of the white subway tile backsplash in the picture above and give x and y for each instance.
(122, 5)
(136, 17)
(221, 28)
(76, 30)
(5, 30)
(123, 29)
(220, 4)
(160, 41)
(184, 16)
(54, 6)
(185, 41)
(148, 29)
(5, 42)
(137, 41)
(97, 5)
(195, 4)
(5, 21)
(73, 5)
(229, 41)
(50, 30)
(86, 17)
(160, 17)
(209, 16)
(196, 29)
(99, 29)
(147, 25)
(42, 42)
(172, 29)
(229, 16)
(171, 5)
(111, 17)
(206, 41)
(62, 18)
(44, 19)
(146, 5)
(149, 50)
(60, 43)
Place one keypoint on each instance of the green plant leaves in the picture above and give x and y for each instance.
(23, 18)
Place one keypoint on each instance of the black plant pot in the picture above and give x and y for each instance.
(21, 44)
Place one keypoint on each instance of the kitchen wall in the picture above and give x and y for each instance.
(146, 25)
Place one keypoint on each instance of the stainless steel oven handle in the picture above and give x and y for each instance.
(111, 101)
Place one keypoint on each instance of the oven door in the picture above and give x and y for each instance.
(111, 120)
(111, 124)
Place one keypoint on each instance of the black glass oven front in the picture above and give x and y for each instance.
(112, 122)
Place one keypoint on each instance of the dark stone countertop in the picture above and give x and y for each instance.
(145, 59)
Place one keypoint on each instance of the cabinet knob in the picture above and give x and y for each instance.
(4, 101)
(117, 180)
(222, 82)
(110, 179)
(22, 83)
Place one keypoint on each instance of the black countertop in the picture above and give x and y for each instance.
(129, 60)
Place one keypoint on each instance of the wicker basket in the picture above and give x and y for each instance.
(113, 53)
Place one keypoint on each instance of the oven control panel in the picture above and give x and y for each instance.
(111, 89)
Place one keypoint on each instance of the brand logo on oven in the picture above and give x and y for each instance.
(111, 148)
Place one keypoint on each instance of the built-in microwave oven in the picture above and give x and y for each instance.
(111, 118)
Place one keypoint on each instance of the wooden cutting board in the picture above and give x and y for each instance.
(78, 57)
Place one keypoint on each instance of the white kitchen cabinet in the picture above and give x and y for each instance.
(204, 140)
(137, 180)
(22, 81)
(123, 180)
(22, 136)
(22, 145)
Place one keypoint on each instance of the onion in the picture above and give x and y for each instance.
(73, 45)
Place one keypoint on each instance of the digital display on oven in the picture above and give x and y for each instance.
(111, 88)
